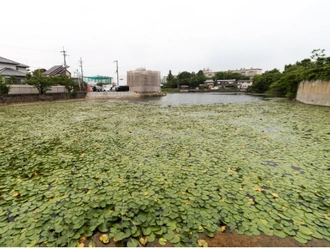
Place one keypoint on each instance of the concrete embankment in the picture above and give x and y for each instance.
(109, 95)
(314, 92)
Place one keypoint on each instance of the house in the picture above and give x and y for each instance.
(10, 68)
(208, 83)
(226, 83)
(56, 71)
(244, 84)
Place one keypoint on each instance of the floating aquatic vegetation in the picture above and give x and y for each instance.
(142, 172)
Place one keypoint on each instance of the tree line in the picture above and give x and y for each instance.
(286, 83)
(192, 79)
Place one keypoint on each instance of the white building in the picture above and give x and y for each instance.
(244, 84)
(248, 72)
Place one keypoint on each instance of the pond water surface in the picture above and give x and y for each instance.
(202, 98)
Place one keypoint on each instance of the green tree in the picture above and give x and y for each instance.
(318, 57)
(66, 81)
(315, 68)
(41, 83)
(171, 81)
(4, 86)
(184, 78)
(11, 80)
(261, 83)
(201, 78)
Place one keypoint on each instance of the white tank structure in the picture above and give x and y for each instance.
(143, 81)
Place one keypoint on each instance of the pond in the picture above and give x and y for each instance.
(202, 98)
(163, 173)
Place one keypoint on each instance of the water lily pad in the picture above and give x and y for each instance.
(133, 243)
(162, 241)
(300, 239)
(105, 238)
(143, 240)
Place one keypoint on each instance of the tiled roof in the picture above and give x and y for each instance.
(8, 61)
(11, 72)
(55, 70)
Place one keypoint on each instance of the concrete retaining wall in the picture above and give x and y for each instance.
(29, 89)
(315, 92)
(111, 94)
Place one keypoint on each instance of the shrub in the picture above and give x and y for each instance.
(4, 86)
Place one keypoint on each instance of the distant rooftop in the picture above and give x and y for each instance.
(55, 70)
(12, 62)
(11, 72)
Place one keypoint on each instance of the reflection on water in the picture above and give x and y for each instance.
(201, 98)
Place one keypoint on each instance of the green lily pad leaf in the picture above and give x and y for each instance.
(304, 236)
(277, 227)
(146, 231)
(209, 233)
(317, 235)
(132, 243)
(305, 230)
(58, 228)
(169, 235)
(176, 239)
(171, 225)
(280, 234)
(119, 236)
(284, 216)
(103, 228)
(289, 231)
(151, 237)
(265, 230)
(300, 240)
(323, 231)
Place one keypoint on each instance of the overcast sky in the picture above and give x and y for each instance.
(177, 35)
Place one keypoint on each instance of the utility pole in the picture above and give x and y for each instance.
(116, 61)
(81, 70)
(78, 79)
(64, 58)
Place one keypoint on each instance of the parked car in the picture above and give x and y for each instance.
(96, 88)
(106, 87)
(122, 88)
